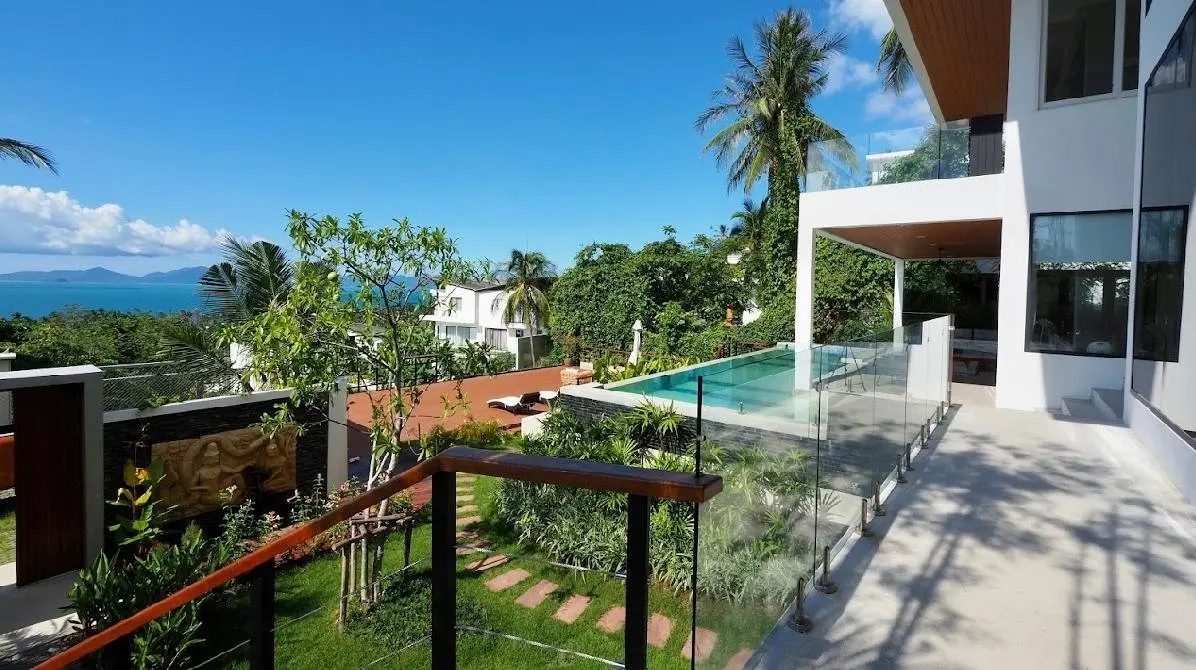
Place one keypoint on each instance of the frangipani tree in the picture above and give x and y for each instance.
(355, 309)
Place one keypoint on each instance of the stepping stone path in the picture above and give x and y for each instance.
(612, 621)
(468, 535)
(508, 579)
(739, 660)
(468, 521)
(467, 498)
(705, 644)
(467, 509)
(536, 594)
(491, 561)
(659, 628)
(572, 609)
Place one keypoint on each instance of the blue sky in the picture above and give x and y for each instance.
(546, 125)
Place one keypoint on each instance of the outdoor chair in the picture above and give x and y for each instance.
(516, 404)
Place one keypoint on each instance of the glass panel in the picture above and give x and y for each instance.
(889, 157)
(1079, 48)
(1164, 369)
(1080, 283)
(1129, 63)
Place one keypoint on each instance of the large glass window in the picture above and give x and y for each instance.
(1086, 54)
(1164, 369)
(1079, 283)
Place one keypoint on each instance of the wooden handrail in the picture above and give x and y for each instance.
(539, 469)
(592, 475)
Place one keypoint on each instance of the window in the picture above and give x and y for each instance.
(1161, 235)
(1091, 48)
(454, 305)
(1164, 366)
(497, 338)
(1079, 283)
(458, 335)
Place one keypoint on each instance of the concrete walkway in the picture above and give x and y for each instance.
(1023, 541)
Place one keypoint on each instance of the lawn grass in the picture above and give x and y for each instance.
(311, 640)
(8, 531)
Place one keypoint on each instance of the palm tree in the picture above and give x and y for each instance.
(29, 154)
(528, 275)
(252, 278)
(487, 270)
(893, 64)
(748, 220)
(766, 99)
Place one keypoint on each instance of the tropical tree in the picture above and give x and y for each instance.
(749, 220)
(486, 269)
(253, 278)
(529, 275)
(893, 64)
(765, 103)
(29, 154)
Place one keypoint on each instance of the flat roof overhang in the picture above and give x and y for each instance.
(925, 241)
(960, 53)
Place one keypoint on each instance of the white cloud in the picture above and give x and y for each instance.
(910, 106)
(846, 72)
(869, 15)
(33, 221)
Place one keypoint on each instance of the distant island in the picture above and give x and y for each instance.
(100, 275)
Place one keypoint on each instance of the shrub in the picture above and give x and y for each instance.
(502, 361)
(474, 433)
(243, 529)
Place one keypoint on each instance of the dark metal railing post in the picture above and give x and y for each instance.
(261, 622)
(444, 571)
(635, 631)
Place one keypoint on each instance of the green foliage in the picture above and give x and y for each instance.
(612, 368)
(528, 276)
(243, 530)
(600, 297)
(941, 154)
(852, 292)
(482, 434)
(748, 549)
(112, 589)
(141, 519)
(404, 613)
(313, 505)
(650, 425)
(75, 336)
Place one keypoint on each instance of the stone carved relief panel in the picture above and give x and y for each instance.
(199, 470)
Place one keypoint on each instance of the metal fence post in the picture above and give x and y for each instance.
(635, 631)
(444, 571)
(261, 622)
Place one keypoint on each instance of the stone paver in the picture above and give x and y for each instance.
(465, 551)
(739, 660)
(491, 561)
(572, 608)
(507, 579)
(659, 628)
(467, 509)
(468, 520)
(467, 498)
(612, 621)
(705, 644)
(468, 535)
(536, 594)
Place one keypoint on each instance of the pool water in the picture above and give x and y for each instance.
(759, 383)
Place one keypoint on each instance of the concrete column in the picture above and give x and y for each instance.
(898, 291)
(803, 326)
(338, 435)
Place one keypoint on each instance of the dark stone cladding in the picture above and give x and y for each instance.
(121, 445)
(852, 466)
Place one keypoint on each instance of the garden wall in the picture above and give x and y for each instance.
(209, 445)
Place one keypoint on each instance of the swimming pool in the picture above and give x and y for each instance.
(760, 383)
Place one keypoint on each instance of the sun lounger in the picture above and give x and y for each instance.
(516, 404)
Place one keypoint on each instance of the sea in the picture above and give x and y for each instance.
(37, 299)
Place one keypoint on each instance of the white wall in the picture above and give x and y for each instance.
(468, 312)
(965, 199)
(1070, 158)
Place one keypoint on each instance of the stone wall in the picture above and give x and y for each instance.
(131, 439)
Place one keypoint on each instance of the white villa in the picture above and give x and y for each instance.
(1073, 124)
(472, 312)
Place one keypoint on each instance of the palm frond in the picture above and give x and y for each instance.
(893, 64)
(29, 154)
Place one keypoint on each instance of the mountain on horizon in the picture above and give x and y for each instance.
(99, 275)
